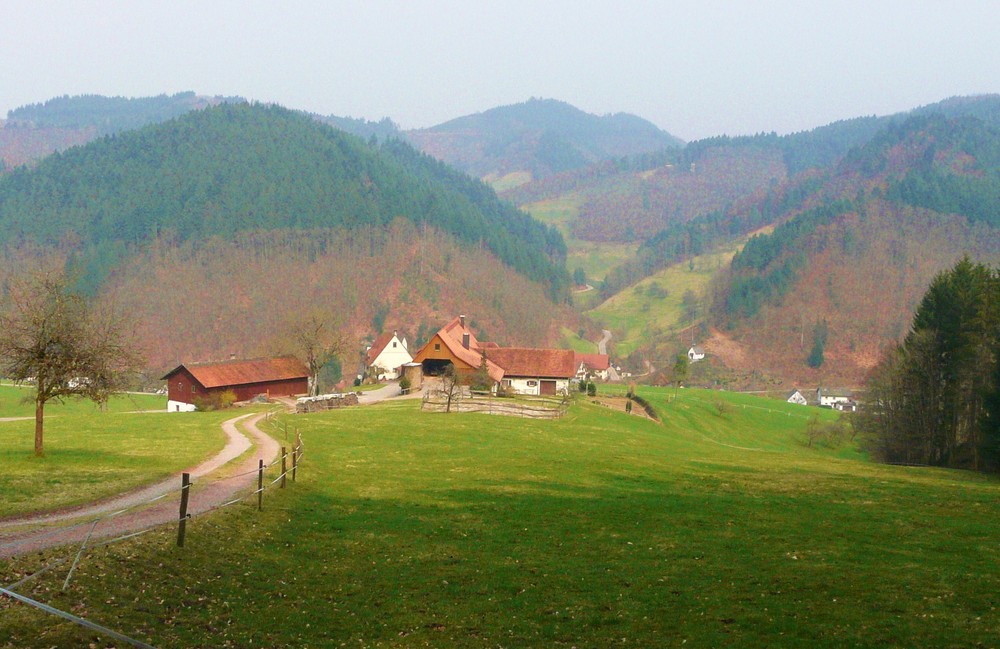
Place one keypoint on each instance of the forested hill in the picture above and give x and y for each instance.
(538, 137)
(238, 167)
(840, 275)
(106, 115)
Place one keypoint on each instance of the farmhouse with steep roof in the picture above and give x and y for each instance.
(386, 355)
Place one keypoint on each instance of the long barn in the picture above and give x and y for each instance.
(188, 384)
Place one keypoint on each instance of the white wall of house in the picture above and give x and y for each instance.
(392, 357)
(530, 386)
(179, 406)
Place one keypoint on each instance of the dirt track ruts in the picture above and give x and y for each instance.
(14, 540)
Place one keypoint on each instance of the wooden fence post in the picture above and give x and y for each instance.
(182, 521)
(284, 466)
(260, 484)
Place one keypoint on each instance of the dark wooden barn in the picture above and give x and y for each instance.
(274, 377)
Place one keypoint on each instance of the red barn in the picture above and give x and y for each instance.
(275, 377)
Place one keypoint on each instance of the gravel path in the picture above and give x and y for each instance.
(15, 540)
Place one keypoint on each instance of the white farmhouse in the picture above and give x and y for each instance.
(386, 355)
(696, 353)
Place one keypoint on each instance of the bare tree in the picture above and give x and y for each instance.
(316, 341)
(451, 385)
(63, 343)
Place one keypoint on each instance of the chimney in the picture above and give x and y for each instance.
(461, 321)
(465, 340)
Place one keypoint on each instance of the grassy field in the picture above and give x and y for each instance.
(654, 307)
(91, 454)
(718, 528)
(595, 258)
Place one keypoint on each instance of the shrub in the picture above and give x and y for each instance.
(404, 383)
(591, 389)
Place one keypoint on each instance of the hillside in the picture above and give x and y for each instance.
(37, 130)
(218, 226)
(236, 296)
(536, 139)
(850, 261)
(237, 167)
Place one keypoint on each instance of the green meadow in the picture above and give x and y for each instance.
(720, 527)
(595, 258)
(654, 307)
(93, 453)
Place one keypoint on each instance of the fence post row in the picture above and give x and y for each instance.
(284, 466)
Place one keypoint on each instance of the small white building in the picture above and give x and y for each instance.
(695, 353)
(386, 355)
(796, 397)
(593, 366)
(837, 399)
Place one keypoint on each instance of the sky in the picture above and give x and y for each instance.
(695, 69)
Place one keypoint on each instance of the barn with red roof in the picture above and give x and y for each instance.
(187, 384)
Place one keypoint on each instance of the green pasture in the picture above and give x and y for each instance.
(653, 308)
(572, 340)
(595, 258)
(91, 453)
(406, 529)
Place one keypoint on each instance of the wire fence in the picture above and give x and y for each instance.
(26, 540)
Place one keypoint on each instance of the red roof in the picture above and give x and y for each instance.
(242, 372)
(540, 363)
(597, 362)
(377, 347)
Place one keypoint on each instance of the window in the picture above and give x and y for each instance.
(437, 347)
(193, 389)
(532, 384)
(394, 344)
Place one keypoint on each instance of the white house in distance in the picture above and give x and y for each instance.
(595, 365)
(388, 353)
(696, 353)
(841, 400)
(795, 396)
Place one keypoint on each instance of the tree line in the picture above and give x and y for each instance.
(935, 398)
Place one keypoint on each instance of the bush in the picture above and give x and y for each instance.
(404, 384)
(591, 389)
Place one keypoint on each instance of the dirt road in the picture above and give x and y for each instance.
(35, 532)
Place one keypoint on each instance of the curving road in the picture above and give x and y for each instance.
(14, 540)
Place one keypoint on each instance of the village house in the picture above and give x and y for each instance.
(520, 369)
(534, 371)
(695, 353)
(386, 355)
(796, 397)
(592, 366)
(191, 383)
(842, 400)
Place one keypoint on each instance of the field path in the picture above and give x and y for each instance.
(14, 540)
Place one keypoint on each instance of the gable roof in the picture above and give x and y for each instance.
(451, 335)
(242, 372)
(539, 363)
(599, 362)
(380, 343)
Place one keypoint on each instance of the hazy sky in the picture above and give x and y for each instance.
(695, 69)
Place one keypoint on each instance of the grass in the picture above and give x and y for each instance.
(572, 340)
(653, 308)
(91, 454)
(404, 529)
(595, 258)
